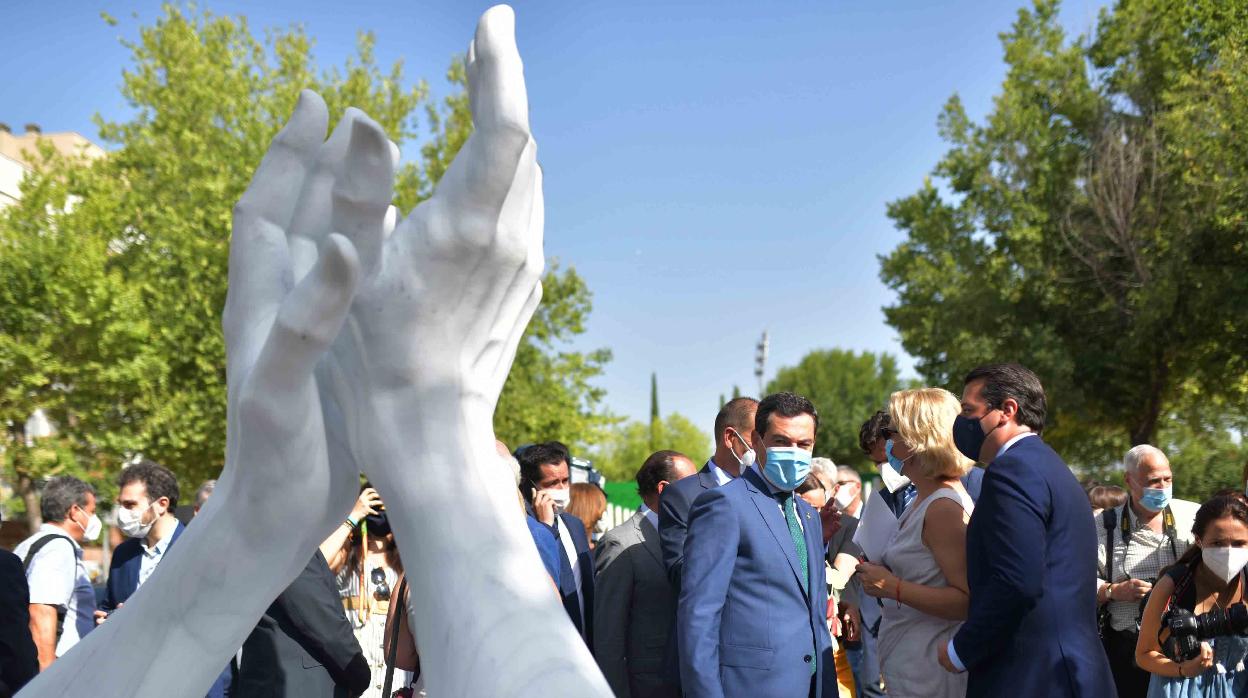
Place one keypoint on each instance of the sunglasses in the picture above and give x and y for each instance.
(381, 588)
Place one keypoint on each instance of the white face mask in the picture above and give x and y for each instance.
(130, 521)
(844, 497)
(748, 458)
(560, 496)
(1224, 562)
(93, 528)
(893, 480)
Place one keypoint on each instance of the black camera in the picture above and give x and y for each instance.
(1187, 629)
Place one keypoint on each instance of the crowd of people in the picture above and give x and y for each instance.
(745, 576)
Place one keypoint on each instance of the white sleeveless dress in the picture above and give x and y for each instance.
(909, 639)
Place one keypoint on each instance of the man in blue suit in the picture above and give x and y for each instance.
(1031, 552)
(546, 486)
(733, 453)
(751, 615)
(146, 499)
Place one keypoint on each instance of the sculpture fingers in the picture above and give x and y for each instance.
(311, 224)
(308, 322)
(517, 254)
(477, 182)
(259, 272)
(496, 89)
(363, 188)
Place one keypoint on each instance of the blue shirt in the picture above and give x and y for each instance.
(547, 546)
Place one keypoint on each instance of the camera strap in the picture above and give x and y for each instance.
(1167, 527)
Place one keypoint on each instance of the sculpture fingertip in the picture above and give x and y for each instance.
(339, 262)
(496, 32)
(310, 117)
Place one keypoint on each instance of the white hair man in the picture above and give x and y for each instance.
(1145, 535)
(848, 492)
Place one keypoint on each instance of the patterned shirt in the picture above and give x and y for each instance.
(1146, 555)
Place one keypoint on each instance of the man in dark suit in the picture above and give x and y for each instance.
(733, 453)
(19, 661)
(147, 496)
(303, 645)
(546, 485)
(751, 616)
(1031, 552)
(633, 602)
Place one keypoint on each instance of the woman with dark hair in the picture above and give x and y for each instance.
(1209, 577)
(365, 560)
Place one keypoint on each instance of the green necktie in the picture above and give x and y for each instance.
(799, 542)
(799, 539)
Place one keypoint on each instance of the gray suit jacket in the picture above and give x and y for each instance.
(634, 611)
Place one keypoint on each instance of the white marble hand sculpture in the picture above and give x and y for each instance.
(279, 494)
(416, 374)
(408, 392)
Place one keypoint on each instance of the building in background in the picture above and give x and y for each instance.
(18, 153)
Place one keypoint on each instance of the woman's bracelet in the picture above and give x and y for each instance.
(351, 523)
(1181, 676)
(899, 590)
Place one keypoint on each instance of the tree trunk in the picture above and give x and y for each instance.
(26, 490)
(1145, 427)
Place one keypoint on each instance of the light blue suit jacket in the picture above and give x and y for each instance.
(745, 626)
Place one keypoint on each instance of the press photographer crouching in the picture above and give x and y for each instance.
(1194, 631)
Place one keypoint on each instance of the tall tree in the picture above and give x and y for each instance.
(112, 306)
(654, 410)
(846, 388)
(1074, 239)
(625, 446)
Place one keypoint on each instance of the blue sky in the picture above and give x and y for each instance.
(712, 169)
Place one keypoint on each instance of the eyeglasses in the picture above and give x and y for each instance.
(381, 588)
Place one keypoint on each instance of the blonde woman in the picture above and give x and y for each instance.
(922, 578)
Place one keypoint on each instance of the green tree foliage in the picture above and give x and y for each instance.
(1092, 227)
(73, 334)
(847, 388)
(627, 445)
(111, 307)
(549, 393)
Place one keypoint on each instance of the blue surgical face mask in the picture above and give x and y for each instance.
(894, 461)
(1156, 498)
(787, 466)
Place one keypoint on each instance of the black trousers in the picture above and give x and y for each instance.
(1131, 680)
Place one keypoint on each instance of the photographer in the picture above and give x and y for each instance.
(1135, 541)
(1192, 634)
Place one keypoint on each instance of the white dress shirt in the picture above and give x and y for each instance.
(721, 476)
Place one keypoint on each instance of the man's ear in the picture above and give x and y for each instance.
(660, 487)
(1009, 408)
(164, 502)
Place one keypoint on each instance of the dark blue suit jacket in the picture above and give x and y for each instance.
(1031, 566)
(123, 580)
(745, 626)
(567, 580)
(123, 571)
(674, 504)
